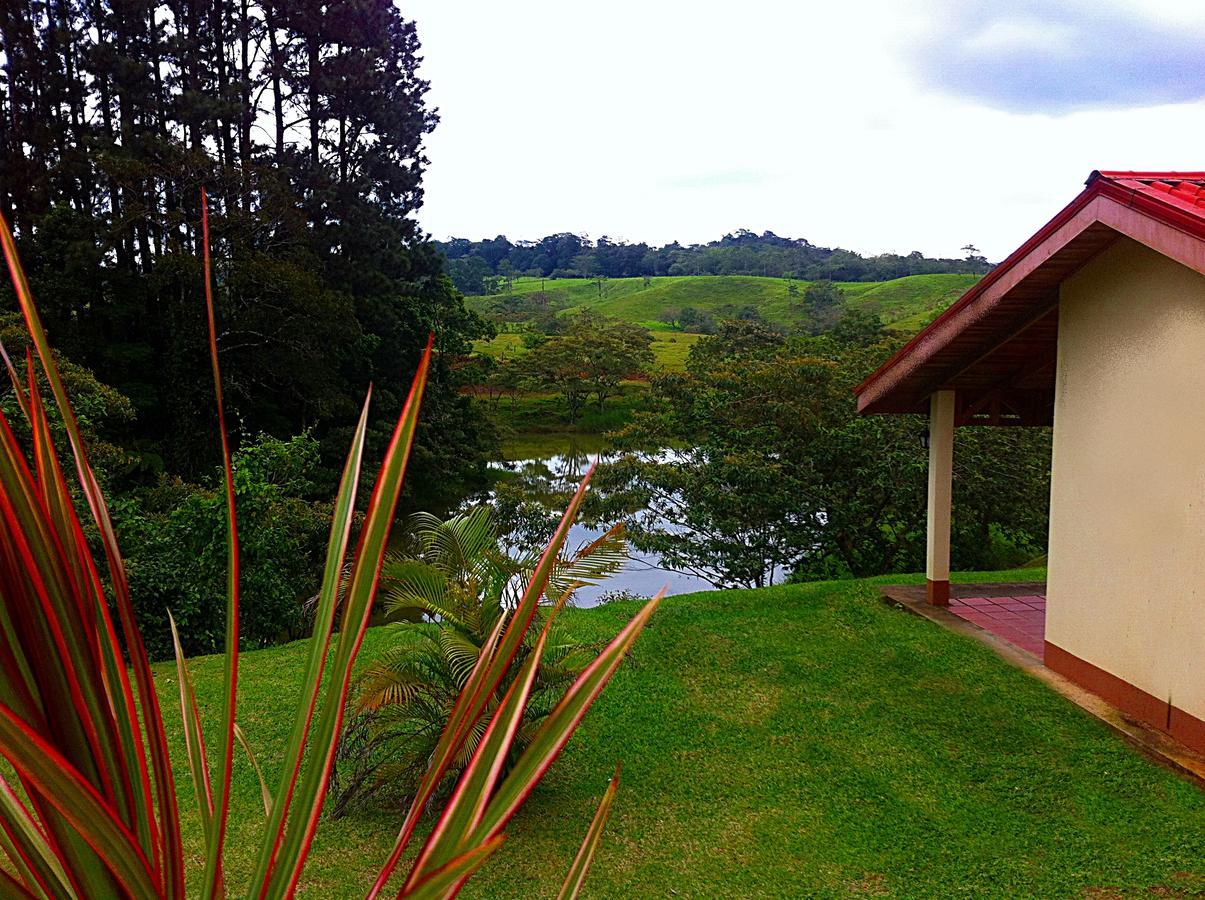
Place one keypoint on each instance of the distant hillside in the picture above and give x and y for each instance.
(484, 267)
(908, 304)
(903, 304)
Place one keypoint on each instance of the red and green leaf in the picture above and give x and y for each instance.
(556, 729)
(155, 819)
(76, 800)
(324, 620)
(572, 885)
(467, 804)
(356, 608)
(216, 832)
(88, 743)
(487, 675)
(194, 738)
(31, 853)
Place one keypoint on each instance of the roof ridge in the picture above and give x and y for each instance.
(1145, 175)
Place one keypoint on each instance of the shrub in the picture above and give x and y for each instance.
(103, 413)
(175, 539)
(621, 595)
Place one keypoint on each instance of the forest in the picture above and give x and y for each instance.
(305, 123)
(484, 267)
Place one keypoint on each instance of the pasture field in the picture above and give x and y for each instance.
(903, 303)
(670, 347)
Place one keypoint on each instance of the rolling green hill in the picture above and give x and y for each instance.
(903, 303)
(907, 304)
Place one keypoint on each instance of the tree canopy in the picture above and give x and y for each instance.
(591, 358)
(306, 122)
(475, 266)
(773, 474)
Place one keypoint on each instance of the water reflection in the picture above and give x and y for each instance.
(546, 478)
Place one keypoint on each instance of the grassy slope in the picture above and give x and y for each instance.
(768, 295)
(800, 740)
(904, 304)
(898, 301)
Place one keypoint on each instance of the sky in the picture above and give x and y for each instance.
(874, 125)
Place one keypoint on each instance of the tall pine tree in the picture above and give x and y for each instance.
(305, 120)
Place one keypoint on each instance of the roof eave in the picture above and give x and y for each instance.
(1178, 233)
(1065, 215)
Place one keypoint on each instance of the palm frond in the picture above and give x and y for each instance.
(591, 563)
(459, 653)
(458, 573)
(400, 674)
(416, 584)
(389, 687)
(460, 546)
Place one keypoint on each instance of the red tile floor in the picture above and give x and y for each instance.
(1018, 620)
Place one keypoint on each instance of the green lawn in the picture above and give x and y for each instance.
(669, 347)
(504, 344)
(793, 741)
(903, 303)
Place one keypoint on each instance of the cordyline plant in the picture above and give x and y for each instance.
(94, 813)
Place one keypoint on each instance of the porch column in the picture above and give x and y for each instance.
(941, 472)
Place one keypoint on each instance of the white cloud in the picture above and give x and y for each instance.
(1023, 33)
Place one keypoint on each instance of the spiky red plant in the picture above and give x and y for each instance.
(94, 813)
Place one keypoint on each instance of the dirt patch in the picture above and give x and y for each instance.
(872, 884)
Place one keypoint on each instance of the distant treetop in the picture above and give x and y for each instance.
(477, 266)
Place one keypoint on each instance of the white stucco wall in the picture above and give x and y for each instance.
(1126, 586)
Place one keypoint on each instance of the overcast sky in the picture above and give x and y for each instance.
(876, 125)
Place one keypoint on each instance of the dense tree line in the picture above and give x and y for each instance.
(480, 267)
(774, 474)
(305, 121)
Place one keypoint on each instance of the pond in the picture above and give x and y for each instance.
(547, 464)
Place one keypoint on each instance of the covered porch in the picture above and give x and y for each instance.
(1014, 612)
(1008, 384)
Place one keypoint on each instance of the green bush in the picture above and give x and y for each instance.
(175, 540)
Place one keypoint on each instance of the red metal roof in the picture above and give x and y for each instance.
(995, 345)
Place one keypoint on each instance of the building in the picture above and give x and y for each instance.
(1095, 325)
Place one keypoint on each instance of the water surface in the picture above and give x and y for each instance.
(554, 465)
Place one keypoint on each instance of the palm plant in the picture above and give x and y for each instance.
(93, 810)
(455, 574)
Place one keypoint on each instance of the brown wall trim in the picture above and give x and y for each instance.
(1147, 708)
(1188, 730)
(937, 592)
